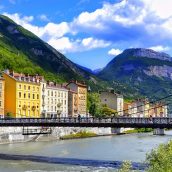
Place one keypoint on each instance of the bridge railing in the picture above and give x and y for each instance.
(119, 120)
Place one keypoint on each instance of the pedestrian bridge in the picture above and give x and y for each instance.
(125, 122)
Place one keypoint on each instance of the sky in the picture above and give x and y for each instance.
(93, 32)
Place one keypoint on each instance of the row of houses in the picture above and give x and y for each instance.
(30, 96)
(143, 108)
(136, 108)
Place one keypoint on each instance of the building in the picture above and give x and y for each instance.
(73, 104)
(2, 87)
(127, 109)
(158, 109)
(81, 98)
(54, 100)
(112, 100)
(22, 95)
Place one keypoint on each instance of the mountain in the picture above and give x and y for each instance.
(147, 72)
(22, 51)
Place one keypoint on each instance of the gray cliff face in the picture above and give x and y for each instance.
(159, 71)
(141, 52)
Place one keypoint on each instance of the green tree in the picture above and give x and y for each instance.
(126, 167)
(160, 159)
(9, 115)
(106, 111)
(94, 104)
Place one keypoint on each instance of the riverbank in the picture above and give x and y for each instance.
(82, 134)
(138, 130)
(10, 135)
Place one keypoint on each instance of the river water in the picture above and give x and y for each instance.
(131, 147)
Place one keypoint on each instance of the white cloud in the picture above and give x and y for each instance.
(160, 48)
(43, 17)
(91, 43)
(114, 52)
(130, 23)
(46, 32)
(55, 30)
(66, 44)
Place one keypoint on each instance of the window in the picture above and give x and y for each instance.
(0, 85)
(65, 102)
(37, 96)
(51, 108)
(55, 94)
(33, 96)
(0, 94)
(28, 87)
(61, 94)
(55, 109)
(19, 86)
(58, 94)
(33, 88)
(37, 88)
(24, 95)
(0, 103)
(19, 94)
(24, 87)
(29, 95)
(51, 93)
(52, 101)
(48, 92)
(19, 103)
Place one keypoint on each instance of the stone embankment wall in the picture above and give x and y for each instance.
(14, 134)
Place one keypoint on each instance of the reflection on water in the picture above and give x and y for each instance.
(114, 148)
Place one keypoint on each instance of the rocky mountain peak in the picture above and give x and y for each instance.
(141, 52)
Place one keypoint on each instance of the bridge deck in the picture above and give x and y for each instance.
(89, 122)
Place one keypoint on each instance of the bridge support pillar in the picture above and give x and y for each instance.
(158, 131)
(116, 130)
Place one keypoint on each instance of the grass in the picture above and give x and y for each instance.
(81, 134)
(139, 130)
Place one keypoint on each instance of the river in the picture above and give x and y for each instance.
(131, 147)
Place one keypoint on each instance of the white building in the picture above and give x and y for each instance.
(54, 100)
(112, 100)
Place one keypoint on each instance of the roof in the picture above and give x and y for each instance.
(112, 92)
(24, 77)
(77, 83)
(71, 91)
(56, 86)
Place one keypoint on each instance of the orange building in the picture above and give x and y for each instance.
(2, 86)
(81, 90)
(72, 103)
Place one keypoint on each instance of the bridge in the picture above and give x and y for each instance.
(119, 122)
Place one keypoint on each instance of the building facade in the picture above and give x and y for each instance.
(2, 92)
(54, 101)
(158, 109)
(73, 104)
(22, 95)
(81, 90)
(112, 100)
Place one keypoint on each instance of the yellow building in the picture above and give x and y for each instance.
(22, 95)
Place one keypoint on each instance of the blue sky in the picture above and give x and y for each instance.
(93, 32)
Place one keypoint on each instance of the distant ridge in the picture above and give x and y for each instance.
(148, 72)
